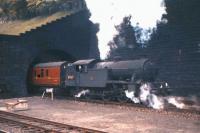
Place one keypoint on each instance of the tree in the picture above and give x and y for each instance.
(175, 42)
(20, 7)
(179, 28)
(13, 9)
(24, 9)
(125, 41)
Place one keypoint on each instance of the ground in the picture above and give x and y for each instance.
(110, 118)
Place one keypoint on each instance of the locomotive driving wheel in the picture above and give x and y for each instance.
(119, 92)
(121, 97)
(106, 97)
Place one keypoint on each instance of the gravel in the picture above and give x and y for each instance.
(113, 119)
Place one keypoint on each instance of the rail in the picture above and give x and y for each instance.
(126, 104)
(31, 124)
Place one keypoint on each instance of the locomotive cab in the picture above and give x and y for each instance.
(83, 74)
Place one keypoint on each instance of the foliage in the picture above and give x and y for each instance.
(125, 41)
(23, 9)
(179, 31)
(174, 43)
(12, 9)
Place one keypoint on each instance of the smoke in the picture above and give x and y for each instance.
(109, 13)
(152, 97)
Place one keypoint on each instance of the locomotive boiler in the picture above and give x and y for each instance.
(102, 78)
(93, 73)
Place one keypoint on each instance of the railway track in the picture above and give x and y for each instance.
(35, 125)
(170, 109)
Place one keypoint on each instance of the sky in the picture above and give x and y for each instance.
(109, 13)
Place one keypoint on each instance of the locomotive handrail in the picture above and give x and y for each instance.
(117, 82)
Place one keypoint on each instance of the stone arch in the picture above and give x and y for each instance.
(50, 55)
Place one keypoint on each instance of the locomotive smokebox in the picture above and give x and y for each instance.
(150, 71)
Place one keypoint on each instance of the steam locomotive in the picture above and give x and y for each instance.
(105, 79)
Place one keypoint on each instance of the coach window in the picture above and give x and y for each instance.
(42, 72)
(47, 72)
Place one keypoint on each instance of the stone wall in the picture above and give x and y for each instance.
(69, 38)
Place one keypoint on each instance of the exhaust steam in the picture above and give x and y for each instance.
(151, 97)
(82, 93)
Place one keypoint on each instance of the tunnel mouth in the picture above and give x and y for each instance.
(52, 56)
(44, 57)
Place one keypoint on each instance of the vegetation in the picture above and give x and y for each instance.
(175, 44)
(176, 34)
(24, 9)
(127, 41)
(12, 9)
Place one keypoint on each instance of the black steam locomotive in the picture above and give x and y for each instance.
(106, 79)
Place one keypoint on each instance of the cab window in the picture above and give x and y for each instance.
(81, 68)
(47, 72)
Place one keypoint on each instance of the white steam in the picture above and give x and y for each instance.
(155, 102)
(109, 13)
(131, 96)
(148, 98)
(82, 93)
(176, 102)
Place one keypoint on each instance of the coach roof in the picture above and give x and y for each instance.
(50, 64)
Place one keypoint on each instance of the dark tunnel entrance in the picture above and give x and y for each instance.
(53, 56)
(46, 56)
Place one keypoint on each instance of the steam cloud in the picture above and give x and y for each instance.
(148, 98)
(82, 93)
(109, 13)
